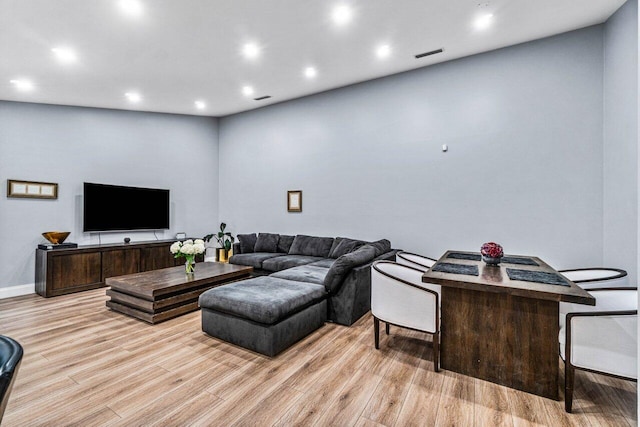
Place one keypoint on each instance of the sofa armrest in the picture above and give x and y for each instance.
(387, 256)
(353, 299)
(236, 248)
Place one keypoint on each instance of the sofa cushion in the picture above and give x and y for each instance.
(263, 299)
(254, 260)
(247, 243)
(311, 245)
(343, 265)
(326, 263)
(282, 262)
(304, 273)
(382, 246)
(344, 245)
(267, 242)
(284, 243)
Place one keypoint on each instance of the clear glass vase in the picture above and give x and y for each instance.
(190, 265)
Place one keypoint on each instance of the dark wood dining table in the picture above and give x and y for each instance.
(502, 329)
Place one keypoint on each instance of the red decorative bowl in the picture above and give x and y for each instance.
(491, 253)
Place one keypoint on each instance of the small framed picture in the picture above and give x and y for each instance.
(32, 189)
(294, 201)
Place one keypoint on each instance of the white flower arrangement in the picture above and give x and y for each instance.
(188, 249)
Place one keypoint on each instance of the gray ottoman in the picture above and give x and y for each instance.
(264, 314)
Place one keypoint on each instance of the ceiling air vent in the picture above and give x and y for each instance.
(262, 97)
(433, 52)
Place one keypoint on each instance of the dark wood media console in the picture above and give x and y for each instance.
(64, 271)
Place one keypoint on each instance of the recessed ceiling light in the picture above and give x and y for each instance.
(200, 105)
(383, 51)
(133, 97)
(310, 72)
(483, 22)
(247, 91)
(23, 85)
(341, 14)
(132, 8)
(251, 50)
(64, 54)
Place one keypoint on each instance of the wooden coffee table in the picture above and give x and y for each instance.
(159, 295)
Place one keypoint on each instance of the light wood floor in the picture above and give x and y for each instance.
(85, 365)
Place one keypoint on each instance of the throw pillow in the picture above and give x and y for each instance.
(344, 245)
(311, 246)
(381, 246)
(247, 243)
(343, 265)
(284, 244)
(267, 242)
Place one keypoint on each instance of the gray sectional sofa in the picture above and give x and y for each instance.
(299, 283)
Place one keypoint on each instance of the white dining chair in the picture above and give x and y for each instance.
(595, 278)
(398, 297)
(414, 260)
(601, 338)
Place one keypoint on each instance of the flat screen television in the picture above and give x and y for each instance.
(118, 208)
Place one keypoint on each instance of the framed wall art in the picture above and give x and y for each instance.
(31, 189)
(294, 201)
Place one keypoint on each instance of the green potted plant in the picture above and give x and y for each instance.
(225, 240)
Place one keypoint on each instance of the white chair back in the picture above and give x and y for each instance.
(398, 296)
(594, 278)
(606, 342)
(414, 260)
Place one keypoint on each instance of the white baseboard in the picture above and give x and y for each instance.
(16, 291)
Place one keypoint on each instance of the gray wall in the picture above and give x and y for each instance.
(71, 145)
(524, 167)
(620, 214)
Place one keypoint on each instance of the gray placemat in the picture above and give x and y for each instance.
(518, 260)
(536, 277)
(446, 267)
(469, 257)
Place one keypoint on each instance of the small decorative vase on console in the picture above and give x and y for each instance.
(222, 255)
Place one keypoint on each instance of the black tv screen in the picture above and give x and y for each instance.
(115, 208)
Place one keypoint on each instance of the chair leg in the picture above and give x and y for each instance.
(436, 352)
(569, 376)
(376, 332)
(386, 328)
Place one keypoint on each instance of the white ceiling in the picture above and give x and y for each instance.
(180, 51)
